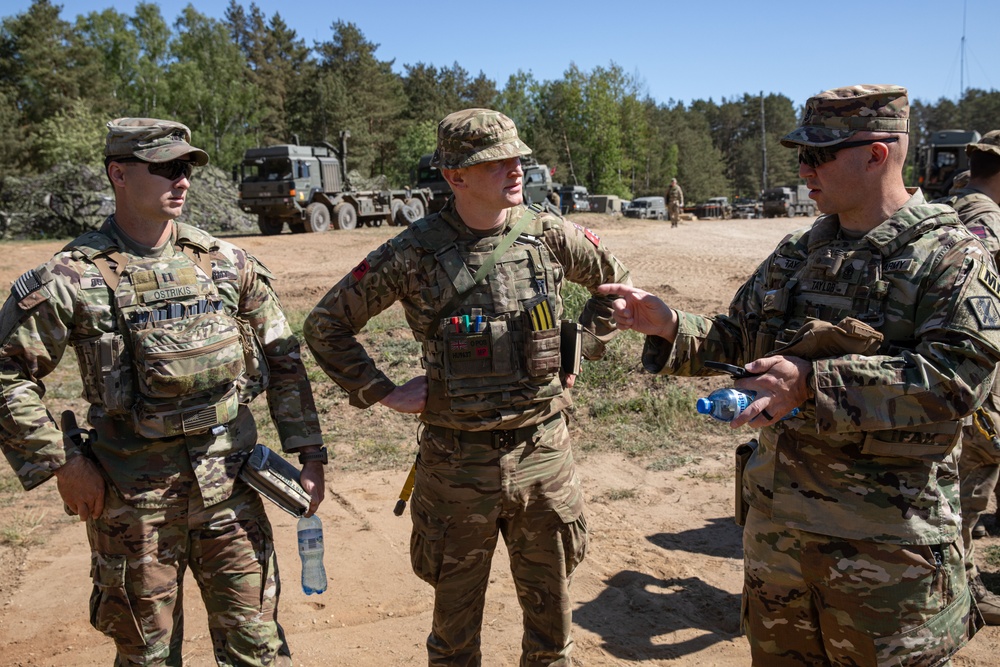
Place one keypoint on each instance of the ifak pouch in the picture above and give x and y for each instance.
(276, 479)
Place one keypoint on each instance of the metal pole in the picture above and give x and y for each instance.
(763, 146)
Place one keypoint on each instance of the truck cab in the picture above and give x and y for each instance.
(941, 159)
(430, 177)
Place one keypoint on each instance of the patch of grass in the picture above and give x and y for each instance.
(621, 494)
(20, 530)
(672, 462)
(709, 476)
(381, 454)
(991, 556)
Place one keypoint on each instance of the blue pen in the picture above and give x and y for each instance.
(479, 323)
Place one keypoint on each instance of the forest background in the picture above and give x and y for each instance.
(249, 80)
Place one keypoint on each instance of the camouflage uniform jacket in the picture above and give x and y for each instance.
(67, 302)
(675, 194)
(872, 456)
(420, 268)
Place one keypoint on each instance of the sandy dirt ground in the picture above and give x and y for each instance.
(661, 583)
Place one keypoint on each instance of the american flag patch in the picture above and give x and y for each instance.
(25, 285)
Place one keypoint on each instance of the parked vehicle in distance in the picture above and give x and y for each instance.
(609, 204)
(430, 178)
(788, 201)
(941, 159)
(716, 207)
(574, 199)
(537, 182)
(647, 208)
(308, 187)
(747, 208)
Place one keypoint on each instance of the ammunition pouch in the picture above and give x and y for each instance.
(817, 339)
(929, 442)
(276, 479)
(743, 454)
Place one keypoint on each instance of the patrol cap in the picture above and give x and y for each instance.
(472, 136)
(990, 143)
(151, 140)
(836, 115)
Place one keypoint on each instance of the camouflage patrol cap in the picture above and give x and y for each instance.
(151, 140)
(990, 143)
(472, 136)
(836, 115)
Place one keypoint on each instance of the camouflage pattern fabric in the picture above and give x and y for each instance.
(472, 136)
(836, 115)
(872, 458)
(810, 599)
(990, 143)
(66, 302)
(494, 453)
(469, 492)
(152, 140)
(675, 202)
(979, 464)
(139, 557)
(388, 275)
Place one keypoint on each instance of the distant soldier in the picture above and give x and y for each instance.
(675, 201)
(979, 465)
(961, 180)
(175, 332)
(480, 283)
(552, 202)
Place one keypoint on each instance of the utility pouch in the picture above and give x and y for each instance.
(542, 352)
(570, 346)
(743, 454)
(107, 380)
(276, 479)
(473, 355)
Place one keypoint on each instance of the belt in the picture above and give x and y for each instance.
(498, 438)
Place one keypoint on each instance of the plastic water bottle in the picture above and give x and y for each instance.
(310, 531)
(726, 404)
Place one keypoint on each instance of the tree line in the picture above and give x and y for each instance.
(249, 80)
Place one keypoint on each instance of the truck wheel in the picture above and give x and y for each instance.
(345, 216)
(791, 212)
(394, 216)
(417, 206)
(317, 217)
(270, 226)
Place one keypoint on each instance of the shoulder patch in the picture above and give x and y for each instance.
(986, 311)
(989, 279)
(591, 236)
(28, 282)
(359, 271)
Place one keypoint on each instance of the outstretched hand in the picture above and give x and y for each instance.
(640, 311)
(780, 383)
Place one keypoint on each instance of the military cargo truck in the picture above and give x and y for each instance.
(537, 182)
(429, 178)
(941, 159)
(574, 199)
(788, 201)
(308, 188)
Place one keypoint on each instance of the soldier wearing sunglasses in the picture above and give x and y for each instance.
(175, 332)
(881, 323)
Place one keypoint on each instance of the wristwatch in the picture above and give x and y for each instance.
(315, 455)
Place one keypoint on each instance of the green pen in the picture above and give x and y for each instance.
(465, 320)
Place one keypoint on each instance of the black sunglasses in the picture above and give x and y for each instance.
(171, 171)
(814, 156)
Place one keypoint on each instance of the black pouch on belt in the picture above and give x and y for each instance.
(743, 454)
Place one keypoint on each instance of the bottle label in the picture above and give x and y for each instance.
(310, 540)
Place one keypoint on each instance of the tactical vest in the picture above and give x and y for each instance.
(178, 362)
(828, 278)
(510, 357)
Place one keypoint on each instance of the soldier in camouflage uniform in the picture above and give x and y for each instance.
(494, 450)
(175, 332)
(852, 545)
(675, 202)
(979, 463)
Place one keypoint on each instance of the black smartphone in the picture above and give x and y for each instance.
(736, 371)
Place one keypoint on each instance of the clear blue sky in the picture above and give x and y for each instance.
(682, 51)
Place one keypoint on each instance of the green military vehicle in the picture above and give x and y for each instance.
(537, 181)
(788, 201)
(308, 188)
(941, 159)
(429, 178)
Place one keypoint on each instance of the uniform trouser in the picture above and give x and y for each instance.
(466, 493)
(138, 561)
(978, 472)
(675, 213)
(811, 599)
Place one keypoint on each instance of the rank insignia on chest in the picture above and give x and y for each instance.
(360, 270)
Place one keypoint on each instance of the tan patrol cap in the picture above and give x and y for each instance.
(151, 140)
(990, 143)
(836, 115)
(472, 136)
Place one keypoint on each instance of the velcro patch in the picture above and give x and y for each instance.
(990, 279)
(591, 236)
(28, 282)
(787, 263)
(899, 265)
(92, 282)
(361, 269)
(986, 311)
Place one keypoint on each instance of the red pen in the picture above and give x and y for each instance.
(455, 321)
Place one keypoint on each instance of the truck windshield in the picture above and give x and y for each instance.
(640, 204)
(774, 195)
(269, 170)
